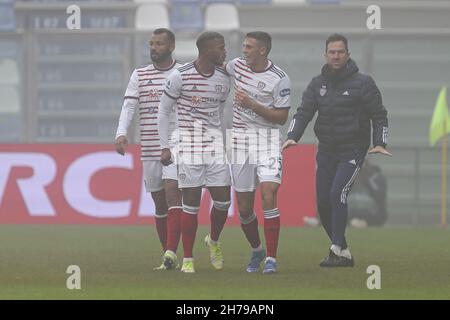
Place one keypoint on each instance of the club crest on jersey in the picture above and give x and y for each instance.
(196, 100)
(153, 94)
(218, 88)
(323, 91)
(261, 85)
(182, 176)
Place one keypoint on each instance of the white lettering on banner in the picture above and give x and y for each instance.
(31, 188)
(146, 204)
(76, 185)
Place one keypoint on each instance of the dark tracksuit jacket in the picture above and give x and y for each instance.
(347, 103)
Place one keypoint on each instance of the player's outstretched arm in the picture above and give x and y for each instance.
(379, 149)
(288, 143)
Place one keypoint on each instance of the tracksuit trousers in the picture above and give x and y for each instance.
(335, 175)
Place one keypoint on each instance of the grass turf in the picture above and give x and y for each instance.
(116, 263)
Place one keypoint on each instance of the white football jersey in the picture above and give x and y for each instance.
(144, 89)
(199, 104)
(270, 88)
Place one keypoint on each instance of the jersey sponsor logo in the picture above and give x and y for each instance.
(323, 91)
(211, 99)
(149, 81)
(196, 100)
(153, 94)
(261, 85)
(346, 93)
(285, 92)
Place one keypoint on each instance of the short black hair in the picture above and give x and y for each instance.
(336, 37)
(262, 37)
(205, 37)
(169, 33)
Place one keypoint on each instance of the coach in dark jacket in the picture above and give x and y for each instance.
(347, 101)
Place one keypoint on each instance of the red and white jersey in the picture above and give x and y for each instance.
(144, 89)
(270, 88)
(200, 100)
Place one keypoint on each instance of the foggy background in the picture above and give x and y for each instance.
(66, 86)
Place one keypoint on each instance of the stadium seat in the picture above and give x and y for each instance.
(7, 15)
(185, 49)
(221, 17)
(10, 102)
(9, 73)
(151, 16)
(186, 15)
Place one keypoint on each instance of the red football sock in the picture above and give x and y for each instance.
(272, 232)
(189, 224)
(173, 228)
(218, 219)
(161, 229)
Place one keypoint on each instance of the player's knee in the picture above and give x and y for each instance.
(245, 210)
(248, 218)
(173, 198)
(161, 207)
(160, 214)
(222, 205)
(190, 209)
(268, 197)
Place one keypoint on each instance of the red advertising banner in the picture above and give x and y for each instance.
(92, 184)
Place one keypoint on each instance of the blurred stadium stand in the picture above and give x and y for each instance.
(60, 85)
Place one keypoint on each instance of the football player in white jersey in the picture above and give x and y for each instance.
(144, 90)
(199, 90)
(261, 107)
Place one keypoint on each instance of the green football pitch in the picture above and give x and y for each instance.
(116, 262)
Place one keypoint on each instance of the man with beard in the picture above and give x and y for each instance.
(199, 90)
(349, 108)
(144, 90)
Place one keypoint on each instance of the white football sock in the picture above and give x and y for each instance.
(346, 253)
(336, 249)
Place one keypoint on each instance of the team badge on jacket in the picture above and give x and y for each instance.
(323, 91)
